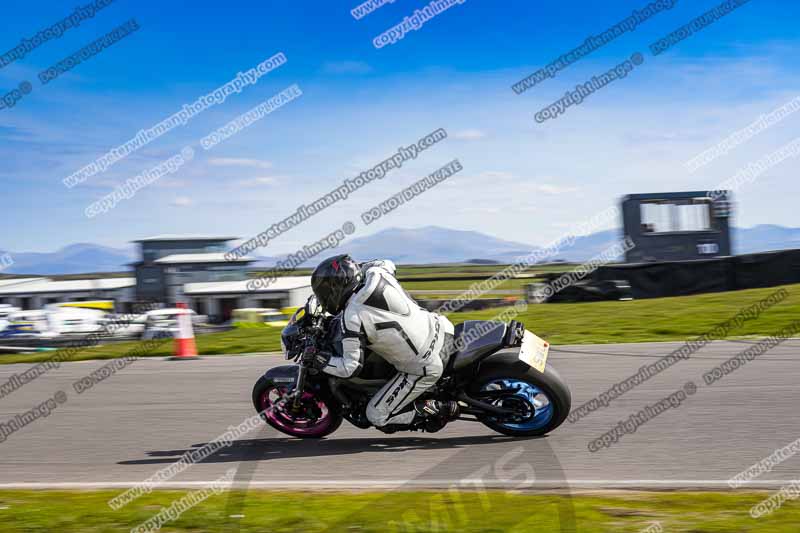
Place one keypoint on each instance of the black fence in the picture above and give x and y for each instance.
(679, 278)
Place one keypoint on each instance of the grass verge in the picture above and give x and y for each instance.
(235, 341)
(654, 320)
(463, 285)
(463, 512)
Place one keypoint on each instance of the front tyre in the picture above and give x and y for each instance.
(543, 399)
(315, 418)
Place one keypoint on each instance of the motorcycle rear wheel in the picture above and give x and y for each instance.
(543, 396)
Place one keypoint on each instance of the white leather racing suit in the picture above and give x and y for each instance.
(383, 317)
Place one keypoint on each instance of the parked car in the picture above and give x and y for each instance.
(5, 311)
(259, 316)
(164, 322)
(33, 324)
(54, 321)
(125, 325)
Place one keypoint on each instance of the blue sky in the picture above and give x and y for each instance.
(522, 180)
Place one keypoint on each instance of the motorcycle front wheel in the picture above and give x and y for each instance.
(314, 419)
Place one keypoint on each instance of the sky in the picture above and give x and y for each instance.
(522, 180)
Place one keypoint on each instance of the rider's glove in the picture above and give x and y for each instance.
(315, 358)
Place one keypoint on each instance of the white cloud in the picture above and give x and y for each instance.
(239, 162)
(172, 184)
(469, 135)
(482, 210)
(481, 180)
(181, 201)
(258, 181)
(547, 188)
(496, 175)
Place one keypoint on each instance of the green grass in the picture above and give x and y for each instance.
(408, 272)
(236, 341)
(658, 319)
(462, 285)
(463, 512)
(662, 319)
(488, 270)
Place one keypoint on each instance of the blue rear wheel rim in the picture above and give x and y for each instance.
(526, 393)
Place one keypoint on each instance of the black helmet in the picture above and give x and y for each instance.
(334, 280)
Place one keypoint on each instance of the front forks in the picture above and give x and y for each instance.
(296, 395)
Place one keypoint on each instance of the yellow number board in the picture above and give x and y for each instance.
(534, 351)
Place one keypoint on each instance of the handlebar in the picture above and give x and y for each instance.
(305, 357)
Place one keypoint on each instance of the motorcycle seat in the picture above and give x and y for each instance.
(480, 338)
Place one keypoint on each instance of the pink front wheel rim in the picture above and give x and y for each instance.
(286, 422)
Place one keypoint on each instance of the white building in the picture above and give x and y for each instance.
(35, 293)
(183, 269)
(219, 299)
(172, 269)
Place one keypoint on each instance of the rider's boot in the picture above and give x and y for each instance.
(393, 428)
(447, 410)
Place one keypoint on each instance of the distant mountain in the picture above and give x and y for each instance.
(764, 237)
(430, 244)
(72, 259)
(590, 245)
(433, 244)
(761, 238)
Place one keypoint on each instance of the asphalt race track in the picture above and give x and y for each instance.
(144, 417)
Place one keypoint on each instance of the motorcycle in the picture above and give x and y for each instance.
(498, 373)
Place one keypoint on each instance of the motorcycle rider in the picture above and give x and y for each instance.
(379, 314)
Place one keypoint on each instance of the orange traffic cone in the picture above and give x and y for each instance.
(185, 347)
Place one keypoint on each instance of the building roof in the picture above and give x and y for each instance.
(45, 285)
(670, 195)
(202, 258)
(239, 287)
(14, 281)
(175, 237)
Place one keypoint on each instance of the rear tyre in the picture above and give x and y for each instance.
(543, 397)
(316, 419)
